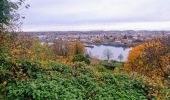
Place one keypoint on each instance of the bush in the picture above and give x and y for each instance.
(80, 68)
(30, 68)
(81, 58)
(113, 87)
(64, 69)
(151, 66)
(108, 65)
(81, 84)
(99, 69)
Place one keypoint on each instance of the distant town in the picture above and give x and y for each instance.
(128, 38)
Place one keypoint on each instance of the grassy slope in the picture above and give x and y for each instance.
(62, 82)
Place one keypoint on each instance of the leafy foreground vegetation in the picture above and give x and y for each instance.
(30, 70)
(59, 82)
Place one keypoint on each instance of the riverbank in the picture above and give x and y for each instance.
(88, 44)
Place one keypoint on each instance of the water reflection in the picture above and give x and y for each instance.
(98, 52)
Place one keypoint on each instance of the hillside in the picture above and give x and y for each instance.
(76, 82)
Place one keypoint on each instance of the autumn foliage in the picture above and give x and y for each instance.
(31, 70)
(151, 60)
(65, 50)
(27, 47)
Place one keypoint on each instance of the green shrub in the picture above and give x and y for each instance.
(81, 68)
(108, 65)
(29, 67)
(81, 87)
(64, 69)
(99, 69)
(81, 58)
(81, 83)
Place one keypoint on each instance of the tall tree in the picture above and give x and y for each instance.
(108, 54)
(120, 57)
(9, 15)
(151, 59)
(78, 48)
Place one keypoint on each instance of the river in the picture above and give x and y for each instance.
(98, 52)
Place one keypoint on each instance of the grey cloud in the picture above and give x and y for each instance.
(75, 12)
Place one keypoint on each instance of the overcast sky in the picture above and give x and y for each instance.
(53, 15)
